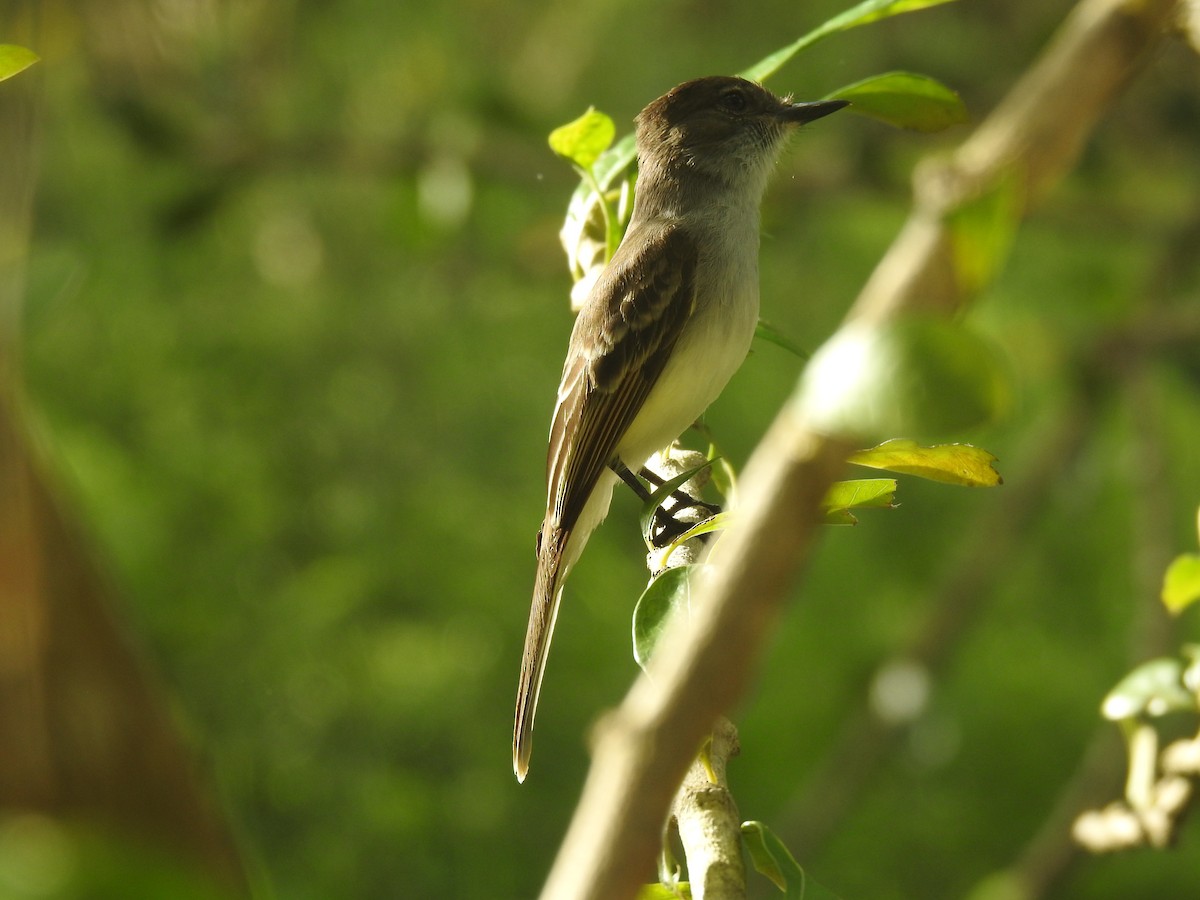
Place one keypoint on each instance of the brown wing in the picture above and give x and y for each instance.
(621, 341)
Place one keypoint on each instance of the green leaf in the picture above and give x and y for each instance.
(615, 161)
(1181, 584)
(946, 463)
(716, 522)
(905, 100)
(981, 231)
(724, 476)
(669, 592)
(656, 891)
(920, 374)
(646, 517)
(14, 59)
(1152, 689)
(869, 11)
(780, 867)
(773, 859)
(772, 335)
(863, 493)
(583, 140)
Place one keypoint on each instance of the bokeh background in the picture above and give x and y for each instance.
(294, 316)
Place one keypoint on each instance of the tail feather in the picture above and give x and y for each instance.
(547, 592)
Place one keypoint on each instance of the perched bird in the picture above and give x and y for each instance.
(666, 325)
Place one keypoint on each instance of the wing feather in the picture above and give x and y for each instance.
(619, 346)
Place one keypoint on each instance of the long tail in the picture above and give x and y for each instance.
(547, 591)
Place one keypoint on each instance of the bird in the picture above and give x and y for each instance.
(664, 327)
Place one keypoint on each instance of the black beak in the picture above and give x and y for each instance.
(803, 113)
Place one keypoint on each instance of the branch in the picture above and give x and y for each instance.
(643, 748)
(709, 825)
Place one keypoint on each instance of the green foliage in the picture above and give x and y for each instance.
(1181, 584)
(861, 14)
(959, 464)
(44, 859)
(905, 100)
(668, 594)
(303, 430)
(657, 891)
(14, 59)
(773, 859)
(862, 493)
(583, 140)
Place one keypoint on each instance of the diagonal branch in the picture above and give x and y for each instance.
(643, 747)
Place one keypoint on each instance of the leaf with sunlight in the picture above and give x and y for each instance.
(947, 463)
(862, 14)
(906, 100)
(1181, 584)
(669, 592)
(583, 140)
(681, 891)
(14, 59)
(862, 493)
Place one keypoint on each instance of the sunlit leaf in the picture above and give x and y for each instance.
(918, 375)
(863, 493)
(668, 593)
(772, 335)
(947, 463)
(981, 232)
(1152, 689)
(682, 891)
(1181, 584)
(14, 59)
(905, 100)
(583, 140)
(869, 11)
(718, 522)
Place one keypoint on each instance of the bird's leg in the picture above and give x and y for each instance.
(632, 480)
(683, 500)
(666, 526)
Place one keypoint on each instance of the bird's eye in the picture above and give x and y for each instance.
(734, 101)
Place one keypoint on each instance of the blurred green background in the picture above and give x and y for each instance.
(294, 320)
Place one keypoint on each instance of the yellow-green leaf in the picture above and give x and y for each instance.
(1181, 584)
(947, 463)
(867, 11)
(14, 59)
(906, 100)
(583, 140)
(681, 891)
(861, 493)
